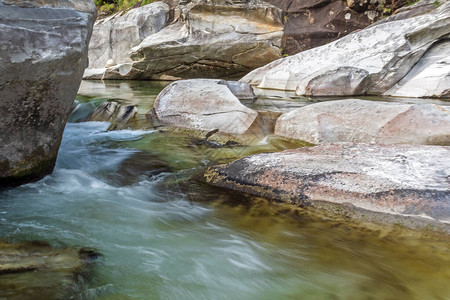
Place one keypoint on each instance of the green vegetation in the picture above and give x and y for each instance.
(436, 3)
(112, 6)
(411, 2)
(385, 11)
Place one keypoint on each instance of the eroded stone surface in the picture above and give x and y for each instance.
(113, 37)
(43, 54)
(202, 104)
(363, 121)
(430, 77)
(208, 40)
(382, 55)
(395, 179)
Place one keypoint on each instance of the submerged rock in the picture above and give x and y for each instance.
(402, 180)
(412, 52)
(43, 54)
(30, 270)
(362, 121)
(113, 111)
(202, 104)
(138, 167)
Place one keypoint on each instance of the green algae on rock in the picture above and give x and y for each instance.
(36, 270)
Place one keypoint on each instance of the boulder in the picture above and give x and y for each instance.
(401, 180)
(43, 54)
(363, 121)
(312, 23)
(209, 40)
(114, 36)
(202, 104)
(370, 61)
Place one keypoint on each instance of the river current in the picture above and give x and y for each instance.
(127, 194)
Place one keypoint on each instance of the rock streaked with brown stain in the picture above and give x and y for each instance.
(382, 56)
(404, 180)
(312, 23)
(311, 26)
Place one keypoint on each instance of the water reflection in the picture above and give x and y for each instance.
(139, 93)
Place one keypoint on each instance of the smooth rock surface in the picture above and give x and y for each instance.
(209, 40)
(43, 53)
(430, 77)
(363, 121)
(404, 180)
(202, 104)
(114, 36)
(376, 58)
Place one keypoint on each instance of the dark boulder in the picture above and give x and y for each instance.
(43, 53)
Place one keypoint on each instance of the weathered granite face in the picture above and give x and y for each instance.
(43, 53)
(203, 104)
(217, 39)
(430, 77)
(209, 39)
(370, 61)
(113, 37)
(399, 180)
(362, 121)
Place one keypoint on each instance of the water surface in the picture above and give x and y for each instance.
(129, 195)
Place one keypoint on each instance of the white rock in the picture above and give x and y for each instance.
(203, 104)
(113, 37)
(362, 121)
(386, 53)
(210, 40)
(430, 77)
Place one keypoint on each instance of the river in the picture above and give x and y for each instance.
(163, 235)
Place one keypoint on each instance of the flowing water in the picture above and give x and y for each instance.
(163, 235)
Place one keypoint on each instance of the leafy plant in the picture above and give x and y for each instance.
(112, 6)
